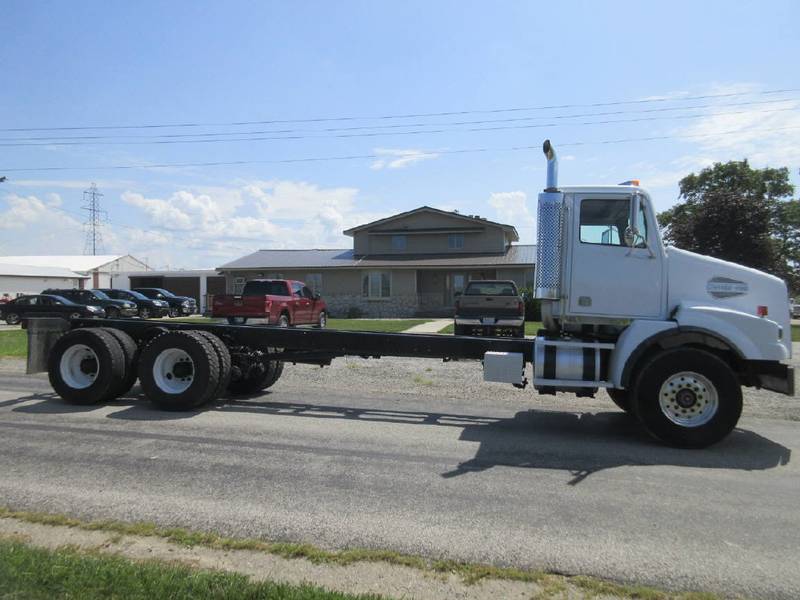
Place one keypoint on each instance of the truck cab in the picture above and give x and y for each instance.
(672, 335)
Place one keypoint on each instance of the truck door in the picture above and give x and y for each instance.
(302, 305)
(609, 277)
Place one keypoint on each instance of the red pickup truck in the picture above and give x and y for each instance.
(282, 302)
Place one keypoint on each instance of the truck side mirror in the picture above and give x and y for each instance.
(632, 231)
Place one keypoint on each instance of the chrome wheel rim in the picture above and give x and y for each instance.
(688, 399)
(78, 366)
(12, 318)
(323, 320)
(173, 371)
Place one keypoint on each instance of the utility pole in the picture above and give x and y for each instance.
(94, 222)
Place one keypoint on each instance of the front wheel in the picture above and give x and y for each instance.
(687, 398)
(322, 321)
(237, 320)
(12, 318)
(112, 313)
(621, 398)
(145, 313)
(174, 312)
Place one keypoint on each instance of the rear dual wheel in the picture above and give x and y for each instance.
(88, 366)
(259, 378)
(181, 370)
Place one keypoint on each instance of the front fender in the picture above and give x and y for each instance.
(754, 338)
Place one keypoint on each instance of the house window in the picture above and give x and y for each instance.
(399, 242)
(314, 281)
(376, 284)
(455, 241)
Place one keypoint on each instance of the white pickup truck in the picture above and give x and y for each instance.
(490, 308)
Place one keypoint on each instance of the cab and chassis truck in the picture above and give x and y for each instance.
(672, 336)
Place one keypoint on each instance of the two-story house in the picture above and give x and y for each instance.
(408, 264)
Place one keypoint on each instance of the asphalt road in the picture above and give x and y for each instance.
(486, 479)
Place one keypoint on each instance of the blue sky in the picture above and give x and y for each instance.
(102, 64)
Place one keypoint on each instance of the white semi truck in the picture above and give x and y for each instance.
(671, 335)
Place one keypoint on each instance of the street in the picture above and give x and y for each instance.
(490, 478)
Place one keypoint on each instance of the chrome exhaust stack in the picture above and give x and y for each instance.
(552, 166)
(550, 232)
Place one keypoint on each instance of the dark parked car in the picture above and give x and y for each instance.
(46, 305)
(114, 308)
(178, 305)
(148, 309)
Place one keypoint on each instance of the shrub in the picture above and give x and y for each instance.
(533, 306)
(354, 312)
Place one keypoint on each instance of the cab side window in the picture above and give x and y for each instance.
(604, 222)
(297, 290)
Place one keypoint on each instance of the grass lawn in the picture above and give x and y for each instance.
(28, 572)
(383, 325)
(531, 327)
(14, 342)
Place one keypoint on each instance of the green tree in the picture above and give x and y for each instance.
(737, 213)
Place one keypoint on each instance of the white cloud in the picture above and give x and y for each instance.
(216, 224)
(765, 134)
(32, 225)
(26, 210)
(513, 208)
(398, 158)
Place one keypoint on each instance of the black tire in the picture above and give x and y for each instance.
(68, 370)
(283, 320)
(112, 313)
(322, 321)
(145, 313)
(13, 318)
(621, 398)
(174, 312)
(699, 377)
(156, 373)
(254, 384)
(131, 353)
(224, 358)
(237, 320)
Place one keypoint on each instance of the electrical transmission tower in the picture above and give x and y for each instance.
(94, 223)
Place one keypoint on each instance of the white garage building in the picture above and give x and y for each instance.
(101, 270)
(17, 280)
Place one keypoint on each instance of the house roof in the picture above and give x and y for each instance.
(468, 219)
(517, 255)
(79, 263)
(14, 270)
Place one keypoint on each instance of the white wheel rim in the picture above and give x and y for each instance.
(688, 399)
(79, 366)
(173, 371)
(323, 320)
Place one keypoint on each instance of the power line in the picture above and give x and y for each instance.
(376, 156)
(395, 133)
(392, 126)
(403, 116)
